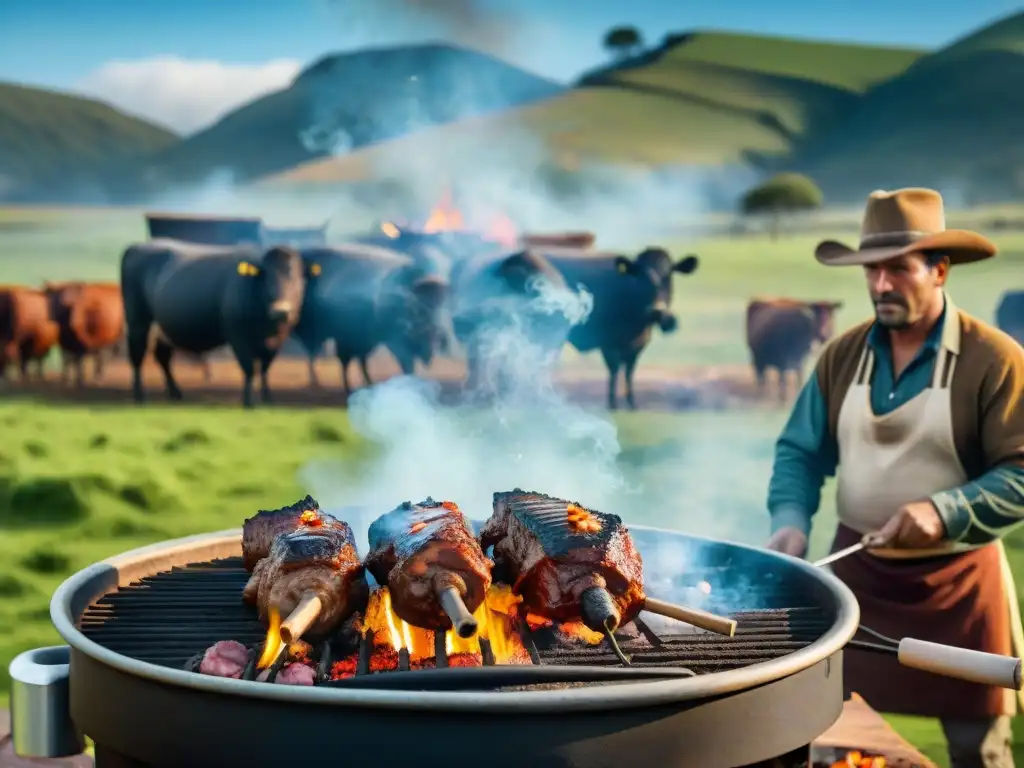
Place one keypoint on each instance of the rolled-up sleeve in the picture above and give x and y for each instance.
(805, 455)
(992, 505)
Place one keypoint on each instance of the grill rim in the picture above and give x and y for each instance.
(82, 588)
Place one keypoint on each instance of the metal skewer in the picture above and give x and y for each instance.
(839, 555)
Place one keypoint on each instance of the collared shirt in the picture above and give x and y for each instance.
(807, 452)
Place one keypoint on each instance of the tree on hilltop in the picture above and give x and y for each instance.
(782, 194)
(623, 41)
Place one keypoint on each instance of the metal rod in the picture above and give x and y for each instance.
(851, 550)
(440, 650)
(457, 678)
(461, 618)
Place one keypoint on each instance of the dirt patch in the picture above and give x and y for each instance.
(657, 389)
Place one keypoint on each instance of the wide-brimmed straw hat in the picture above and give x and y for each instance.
(901, 222)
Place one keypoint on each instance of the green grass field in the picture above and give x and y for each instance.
(80, 484)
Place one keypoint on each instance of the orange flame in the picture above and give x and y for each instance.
(272, 646)
(856, 759)
(495, 617)
(445, 217)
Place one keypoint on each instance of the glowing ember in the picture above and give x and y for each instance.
(311, 519)
(576, 630)
(581, 520)
(704, 587)
(390, 230)
(417, 527)
(856, 759)
(272, 645)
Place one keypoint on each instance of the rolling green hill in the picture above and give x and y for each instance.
(704, 98)
(953, 120)
(56, 145)
(347, 101)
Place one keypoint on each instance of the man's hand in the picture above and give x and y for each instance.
(917, 525)
(789, 541)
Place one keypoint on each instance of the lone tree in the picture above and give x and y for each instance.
(623, 42)
(782, 194)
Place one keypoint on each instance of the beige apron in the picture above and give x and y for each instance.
(908, 454)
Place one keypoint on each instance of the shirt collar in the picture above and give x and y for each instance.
(945, 334)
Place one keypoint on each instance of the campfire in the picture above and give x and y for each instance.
(445, 217)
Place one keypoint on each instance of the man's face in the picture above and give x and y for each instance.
(904, 289)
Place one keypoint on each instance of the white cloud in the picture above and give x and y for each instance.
(185, 95)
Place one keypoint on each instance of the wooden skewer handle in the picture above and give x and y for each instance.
(961, 663)
(301, 619)
(462, 619)
(702, 619)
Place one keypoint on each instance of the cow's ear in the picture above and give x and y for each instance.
(624, 265)
(245, 269)
(686, 266)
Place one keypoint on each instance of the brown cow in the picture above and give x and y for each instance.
(781, 333)
(91, 320)
(27, 331)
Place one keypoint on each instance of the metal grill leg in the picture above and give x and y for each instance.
(108, 758)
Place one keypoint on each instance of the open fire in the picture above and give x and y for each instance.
(445, 216)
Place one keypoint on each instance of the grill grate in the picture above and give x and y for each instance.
(167, 618)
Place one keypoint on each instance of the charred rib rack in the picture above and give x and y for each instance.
(317, 560)
(568, 562)
(434, 567)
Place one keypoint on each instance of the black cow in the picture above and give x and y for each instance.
(499, 304)
(781, 333)
(366, 298)
(630, 298)
(1010, 314)
(203, 297)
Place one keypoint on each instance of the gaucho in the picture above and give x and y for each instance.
(919, 410)
(204, 297)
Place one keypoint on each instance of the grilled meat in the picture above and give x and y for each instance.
(418, 550)
(555, 551)
(260, 530)
(314, 557)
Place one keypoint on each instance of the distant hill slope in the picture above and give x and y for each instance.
(348, 101)
(954, 120)
(60, 146)
(704, 98)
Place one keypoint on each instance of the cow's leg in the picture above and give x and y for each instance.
(629, 363)
(164, 352)
(783, 387)
(97, 371)
(24, 358)
(78, 361)
(138, 344)
(207, 370)
(314, 381)
(613, 360)
(345, 385)
(247, 362)
(364, 366)
(266, 358)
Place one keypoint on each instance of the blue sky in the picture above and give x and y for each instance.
(58, 43)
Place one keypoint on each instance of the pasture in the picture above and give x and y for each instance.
(79, 483)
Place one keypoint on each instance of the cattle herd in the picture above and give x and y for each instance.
(417, 296)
